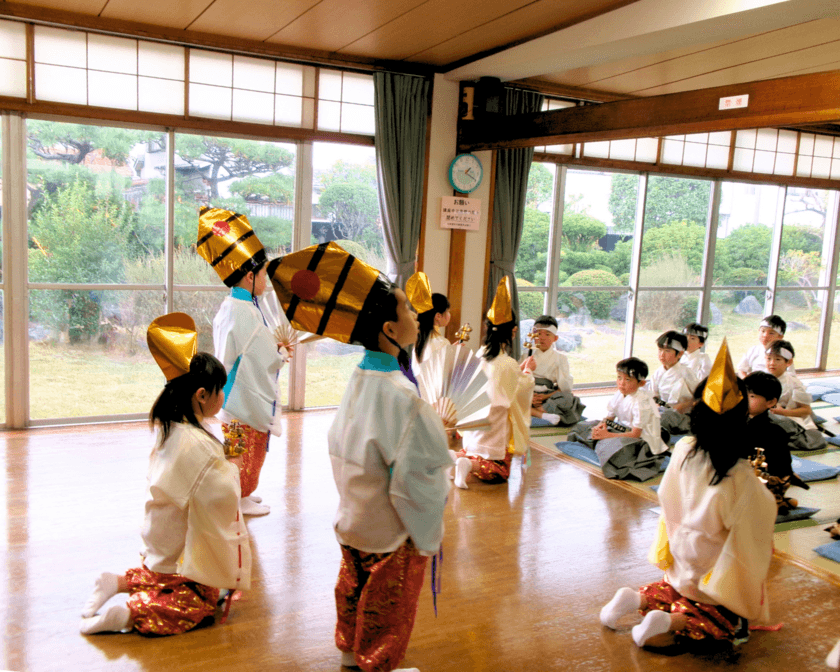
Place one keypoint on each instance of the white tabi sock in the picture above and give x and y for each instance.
(255, 498)
(348, 659)
(250, 508)
(105, 587)
(450, 471)
(116, 618)
(656, 623)
(553, 418)
(625, 601)
(462, 469)
(833, 658)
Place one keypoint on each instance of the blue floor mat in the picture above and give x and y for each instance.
(818, 391)
(799, 513)
(809, 470)
(539, 422)
(831, 398)
(579, 451)
(830, 551)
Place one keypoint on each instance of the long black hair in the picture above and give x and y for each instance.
(722, 436)
(497, 335)
(380, 307)
(426, 322)
(174, 403)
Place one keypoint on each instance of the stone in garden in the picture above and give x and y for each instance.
(749, 305)
(797, 326)
(717, 316)
(619, 310)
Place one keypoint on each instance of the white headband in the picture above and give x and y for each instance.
(694, 331)
(784, 352)
(546, 327)
(675, 345)
(765, 323)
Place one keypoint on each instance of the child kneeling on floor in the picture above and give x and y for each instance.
(715, 537)
(196, 542)
(553, 399)
(628, 442)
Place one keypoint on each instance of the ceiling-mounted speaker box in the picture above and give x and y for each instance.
(489, 97)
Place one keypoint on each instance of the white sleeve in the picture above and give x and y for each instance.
(564, 376)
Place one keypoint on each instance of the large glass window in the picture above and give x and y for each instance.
(345, 208)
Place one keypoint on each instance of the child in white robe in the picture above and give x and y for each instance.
(633, 450)
(553, 399)
(695, 357)
(672, 384)
(772, 328)
(793, 410)
(196, 542)
(715, 539)
(487, 452)
(429, 339)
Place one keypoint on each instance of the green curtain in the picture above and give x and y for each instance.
(512, 168)
(401, 104)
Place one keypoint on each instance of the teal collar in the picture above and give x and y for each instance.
(241, 293)
(379, 361)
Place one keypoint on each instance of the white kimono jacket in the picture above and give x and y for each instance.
(192, 525)
(639, 410)
(672, 385)
(389, 457)
(720, 536)
(553, 365)
(433, 343)
(698, 362)
(510, 411)
(794, 395)
(248, 351)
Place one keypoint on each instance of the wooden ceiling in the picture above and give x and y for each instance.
(655, 47)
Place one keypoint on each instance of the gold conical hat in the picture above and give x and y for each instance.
(325, 290)
(419, 292)
(722, 393)
(501, 311)
(228, 243)
(173, 342)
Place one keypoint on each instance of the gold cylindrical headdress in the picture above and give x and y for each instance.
(419, 292)
(501, 311)
(325, 290)
(722, 393)
(173, 341)
(229, 244)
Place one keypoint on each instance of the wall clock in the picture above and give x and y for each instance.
(465, 173)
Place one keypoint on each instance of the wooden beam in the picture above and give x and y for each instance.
(803, 99)
(555, 90)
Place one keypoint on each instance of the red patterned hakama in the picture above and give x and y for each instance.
(168, 604)
(703, 620)
(255, 444)
(490, 470)
(376, 600)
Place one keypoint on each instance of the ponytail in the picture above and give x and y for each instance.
(497, 335)
(174, 403)
(426, 322)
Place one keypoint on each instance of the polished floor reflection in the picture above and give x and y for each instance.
(527, 567)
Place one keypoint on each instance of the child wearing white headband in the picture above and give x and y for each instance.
(772, 328)
(672, 384)
(694, 357)
(793, 410)
(553, 399)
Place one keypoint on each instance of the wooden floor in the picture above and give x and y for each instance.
(528, 566)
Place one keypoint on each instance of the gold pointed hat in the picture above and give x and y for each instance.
(173, 341)
(325, 290)
(501, 311)
(228, 243)
(419, 292)
(722, 393)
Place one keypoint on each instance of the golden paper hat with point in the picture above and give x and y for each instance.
(419, 292)
(173, 342)
(325, 290)
(228, 243)
(501, 311)
(722, 393)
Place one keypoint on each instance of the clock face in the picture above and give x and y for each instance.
(465, 173)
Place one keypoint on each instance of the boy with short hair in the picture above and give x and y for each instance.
(553, 399)
(772, 328)
(793, 412)
(697, 361)
(628, 441)
(673, 383)
(763, 392)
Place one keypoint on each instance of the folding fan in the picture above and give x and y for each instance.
(452, 381)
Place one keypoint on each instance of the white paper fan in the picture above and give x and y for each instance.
(452, 381)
